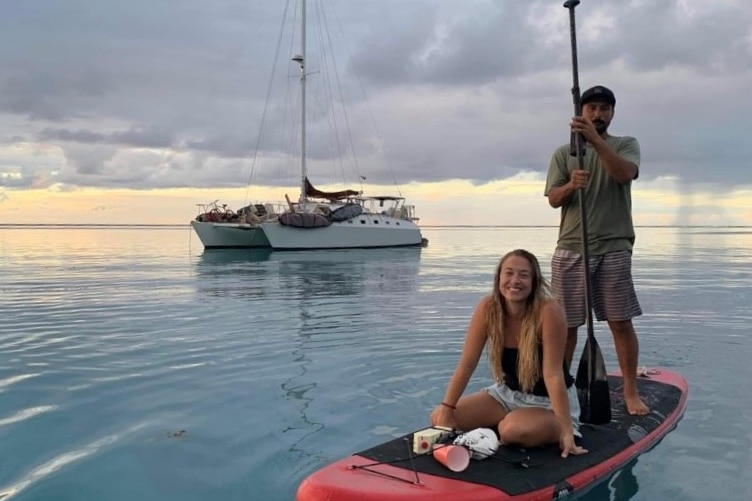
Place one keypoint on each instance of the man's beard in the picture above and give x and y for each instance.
(600, 126)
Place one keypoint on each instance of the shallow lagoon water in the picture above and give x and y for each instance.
(133, 364)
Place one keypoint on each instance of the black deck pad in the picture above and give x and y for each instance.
(516, 471)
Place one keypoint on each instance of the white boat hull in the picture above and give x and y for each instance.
(229, 235)
(362, 232)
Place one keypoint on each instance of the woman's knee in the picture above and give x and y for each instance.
(513, 430)
(478, 410)
(528, 431)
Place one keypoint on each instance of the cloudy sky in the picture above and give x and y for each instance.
(134, 112)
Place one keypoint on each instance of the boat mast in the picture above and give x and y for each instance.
(300, 59)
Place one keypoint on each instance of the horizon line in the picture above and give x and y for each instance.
(182, 225)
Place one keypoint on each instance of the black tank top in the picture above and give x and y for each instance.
(511, 379)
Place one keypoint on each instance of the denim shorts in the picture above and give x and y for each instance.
(512, 400)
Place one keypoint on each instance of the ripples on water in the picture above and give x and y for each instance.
(135, 365)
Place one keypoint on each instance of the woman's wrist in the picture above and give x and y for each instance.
(565, 422)
(449, 406)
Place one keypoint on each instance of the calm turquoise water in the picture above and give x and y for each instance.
(133, 365)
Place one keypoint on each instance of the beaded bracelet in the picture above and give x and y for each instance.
(453, 407)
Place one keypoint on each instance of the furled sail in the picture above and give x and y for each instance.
(310, 191)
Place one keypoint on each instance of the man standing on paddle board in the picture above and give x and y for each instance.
(610, 164)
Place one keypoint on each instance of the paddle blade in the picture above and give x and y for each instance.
(592, 385)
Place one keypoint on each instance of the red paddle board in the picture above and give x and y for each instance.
(389, 472)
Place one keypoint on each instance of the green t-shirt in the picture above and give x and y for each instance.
(608, 203)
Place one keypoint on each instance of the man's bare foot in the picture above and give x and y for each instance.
(635, 405)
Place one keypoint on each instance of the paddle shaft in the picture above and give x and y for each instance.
(578, 149)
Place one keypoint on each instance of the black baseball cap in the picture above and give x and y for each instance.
(598, 93)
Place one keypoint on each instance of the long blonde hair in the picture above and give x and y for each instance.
(528, 365)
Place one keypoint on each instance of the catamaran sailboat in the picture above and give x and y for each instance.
(319, 219)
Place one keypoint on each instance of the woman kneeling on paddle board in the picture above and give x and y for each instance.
(534, 401)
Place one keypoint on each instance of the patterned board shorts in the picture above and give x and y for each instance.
(614, 296)
(512, 400)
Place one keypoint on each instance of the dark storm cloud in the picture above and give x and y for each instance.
(43, 95)
(137, 138)
(652, 36)
(474, 46)
(473, 89)
(503, 39)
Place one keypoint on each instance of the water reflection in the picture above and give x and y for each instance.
(298, 388)
(212, 258)
(621, 486)
(254, 273)
(311, 302)
(233, 273)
